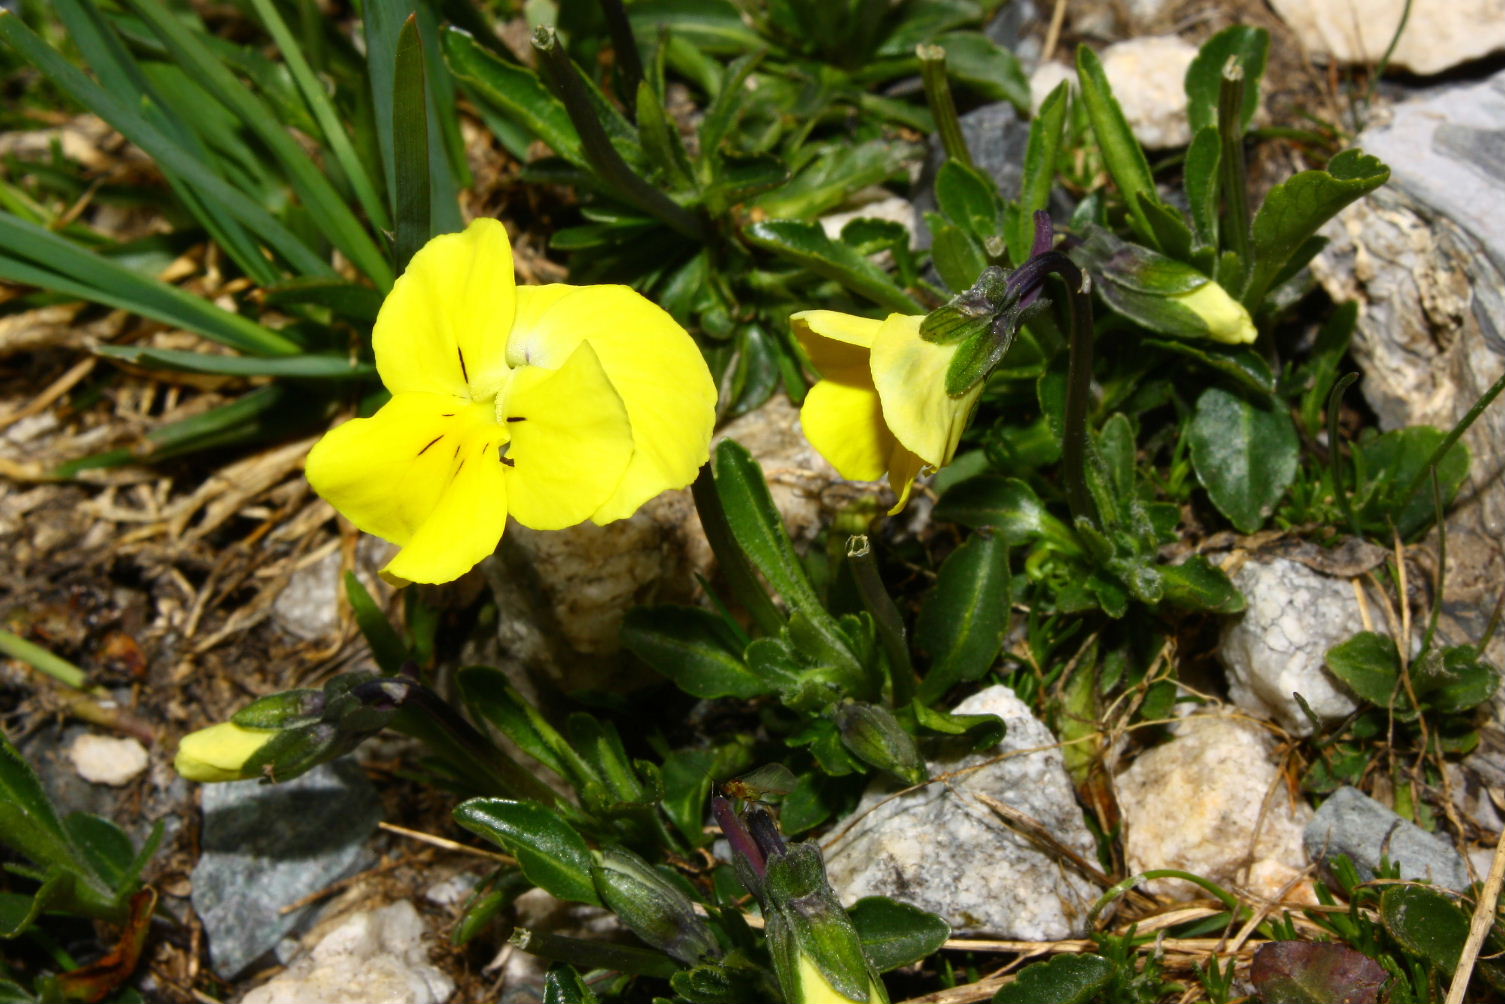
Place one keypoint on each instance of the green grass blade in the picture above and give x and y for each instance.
(320, 367)
(324, 113)
(315, 191)
(59, 265)
(410, 136)
(159, 146)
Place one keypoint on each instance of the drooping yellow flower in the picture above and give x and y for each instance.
(555, 404)
(220, 752)
(881, 403)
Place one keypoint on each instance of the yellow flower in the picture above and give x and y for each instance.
(812, 987)
(1225, 318)
(881, 403)
(555, 404)
(220, 752)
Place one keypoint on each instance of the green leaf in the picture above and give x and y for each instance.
(715, 26)
(28, 824)
(895, 934)
(562, 985)
(1200, 172)
(1064, 979)
(1198, 584)
(839, 172)
(104, 846)
(757, 525)
(968, 198)
(410, 148)
(315, 367)
(549, 851)
(35, 255)
(1244, 452)
(981, 731)
(807, 244)
(1296, 208)
(352, 301)
(1204, 78)
(984, 66)
(1008, 505)
(491, 697)
(966, 615)
(1369, 665)
(1040, 157)
(387, 646)
(1466, 682)
(516, 91)
(1392, 463)
(1122, 155)
(1242, 363)
(691, 647)
(958, 255)
(1426, 923)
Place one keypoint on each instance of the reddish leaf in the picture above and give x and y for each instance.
(1315, 972)
(98, 980)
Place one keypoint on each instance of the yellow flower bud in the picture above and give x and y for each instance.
(1226, 319)
(814, 988)
(220, 752)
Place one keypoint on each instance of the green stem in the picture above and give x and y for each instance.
(410, 142)
(1078, 384)
(563, 79)
(886, 618)
(1235, 176)
(40, 659)
(942, 107)
(1222, 895)
(738, 571)
(1335, 452)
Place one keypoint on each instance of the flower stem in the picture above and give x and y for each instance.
(426, 716)
(559, 72)
(1235, 177)
(738, 571)
(40, 659)
(885, 617)
(938, 96)
(1078, 382)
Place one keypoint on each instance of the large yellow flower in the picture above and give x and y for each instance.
(881, 403)
(556, 404)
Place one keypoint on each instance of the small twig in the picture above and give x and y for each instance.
(343, 883)
(446, 844)
(1478, 928)
(1053, 32)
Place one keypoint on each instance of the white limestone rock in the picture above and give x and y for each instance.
(107, 759)
(1211, 802)
(372, 957)
(1278, 645)
(1439, 34)
(942, 850)
(1148, 77)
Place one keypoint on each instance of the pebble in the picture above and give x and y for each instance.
(107, 759)
(1352, 823)
(1212, 802)
(1439, 34)
(1148, 77)
(939, 848)
(1278, 645)
(372, 957)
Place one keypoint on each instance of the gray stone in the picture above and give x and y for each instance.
(267, 846)
(371, 957)
(1425, 258)
(943, 850)
(1439, 34)
(1277, 647)
(1352, 823)
(996, 137)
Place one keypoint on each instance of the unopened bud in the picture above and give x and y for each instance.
(288, 709)
(816, 950)
(651, 906)
(875, 736)
(1165, 295)
(220, 752)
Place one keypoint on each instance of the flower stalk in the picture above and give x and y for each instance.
(942, 106)
(1235, 177)
(886, 618)
(559, 72)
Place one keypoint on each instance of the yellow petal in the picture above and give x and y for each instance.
(653, 364)
(903, 468)
(219, 752)
(468, 521)
(1226, 319)
(910, 376)
(443, 329)
(845, 425)
(386, 473)
(836, 343)
(572, 445)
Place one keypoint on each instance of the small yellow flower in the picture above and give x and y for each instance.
(1226, 319)
(881, 403)
(556, 404)
(220, 752)
(812, 987)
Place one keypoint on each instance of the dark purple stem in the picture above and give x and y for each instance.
(737, 835)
